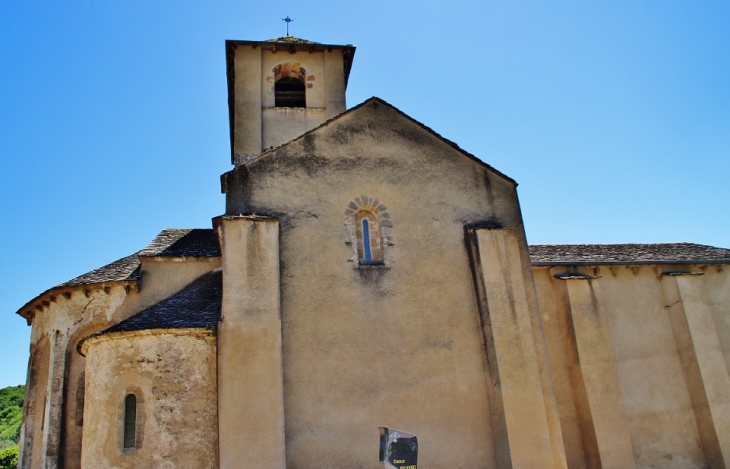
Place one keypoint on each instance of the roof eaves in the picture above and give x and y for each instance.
(636, 262)
(28, 310)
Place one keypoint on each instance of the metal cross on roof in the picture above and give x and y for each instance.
(288, 20)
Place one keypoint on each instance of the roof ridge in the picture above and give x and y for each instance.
(627, 253)
(375, 99)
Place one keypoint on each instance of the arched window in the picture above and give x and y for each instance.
(369, 233)
(289, 92)
(369, 249)
(130, 421)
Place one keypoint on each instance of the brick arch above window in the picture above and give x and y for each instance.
(375, 210)
(290, 70)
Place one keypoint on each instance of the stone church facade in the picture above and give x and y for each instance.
(369, 272)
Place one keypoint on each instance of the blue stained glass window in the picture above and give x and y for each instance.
(366, 240)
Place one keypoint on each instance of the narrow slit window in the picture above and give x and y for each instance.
(289, 92)
(367, 255)
(130, 421)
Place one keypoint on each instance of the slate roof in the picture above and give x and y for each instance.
(196, 305)
(183, 243)
(126, 268)
(169, 243)
(663, 253)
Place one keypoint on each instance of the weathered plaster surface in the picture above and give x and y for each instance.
(258, 125)
(174, 373)
(717, 288)
(658, 361)
(511, 352)
(67, 319)
(581, 448)
(161, 277)
(364, 347)
(656, 400)
(250, 355)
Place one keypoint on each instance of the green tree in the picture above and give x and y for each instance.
(11, 415)
(9, 458)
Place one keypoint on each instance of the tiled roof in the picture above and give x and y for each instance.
(663, 253)
(126, 268)
(169, 243)
(196, 305)
(183, 243)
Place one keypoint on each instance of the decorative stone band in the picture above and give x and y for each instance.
(201, 332)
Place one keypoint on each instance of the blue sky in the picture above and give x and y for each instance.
(614, 117)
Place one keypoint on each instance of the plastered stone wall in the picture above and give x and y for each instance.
(658, 387)
(717, 287)
(173, 375)
(575, 418)
(250, 387)
(258, 124)
(62, 322)
(161, 277)
(56, 325)
(654, 391)
(74, 391)
(35, 405)
(399, 346)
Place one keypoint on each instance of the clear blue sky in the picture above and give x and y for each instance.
(614, 117)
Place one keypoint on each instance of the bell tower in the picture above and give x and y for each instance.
(281, 88)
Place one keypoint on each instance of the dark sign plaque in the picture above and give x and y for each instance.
(398, 449)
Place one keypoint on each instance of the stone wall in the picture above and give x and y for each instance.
(636, 354)
(173, 376)
(398, 344)
(56, 368)
(258, 125)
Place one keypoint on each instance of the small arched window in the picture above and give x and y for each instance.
(289, 92)
(130, 421)
(369, 249)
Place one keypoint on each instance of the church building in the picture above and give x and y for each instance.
(368, 272)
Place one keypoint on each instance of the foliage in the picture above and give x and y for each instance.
(9, 458)
(11, 415)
